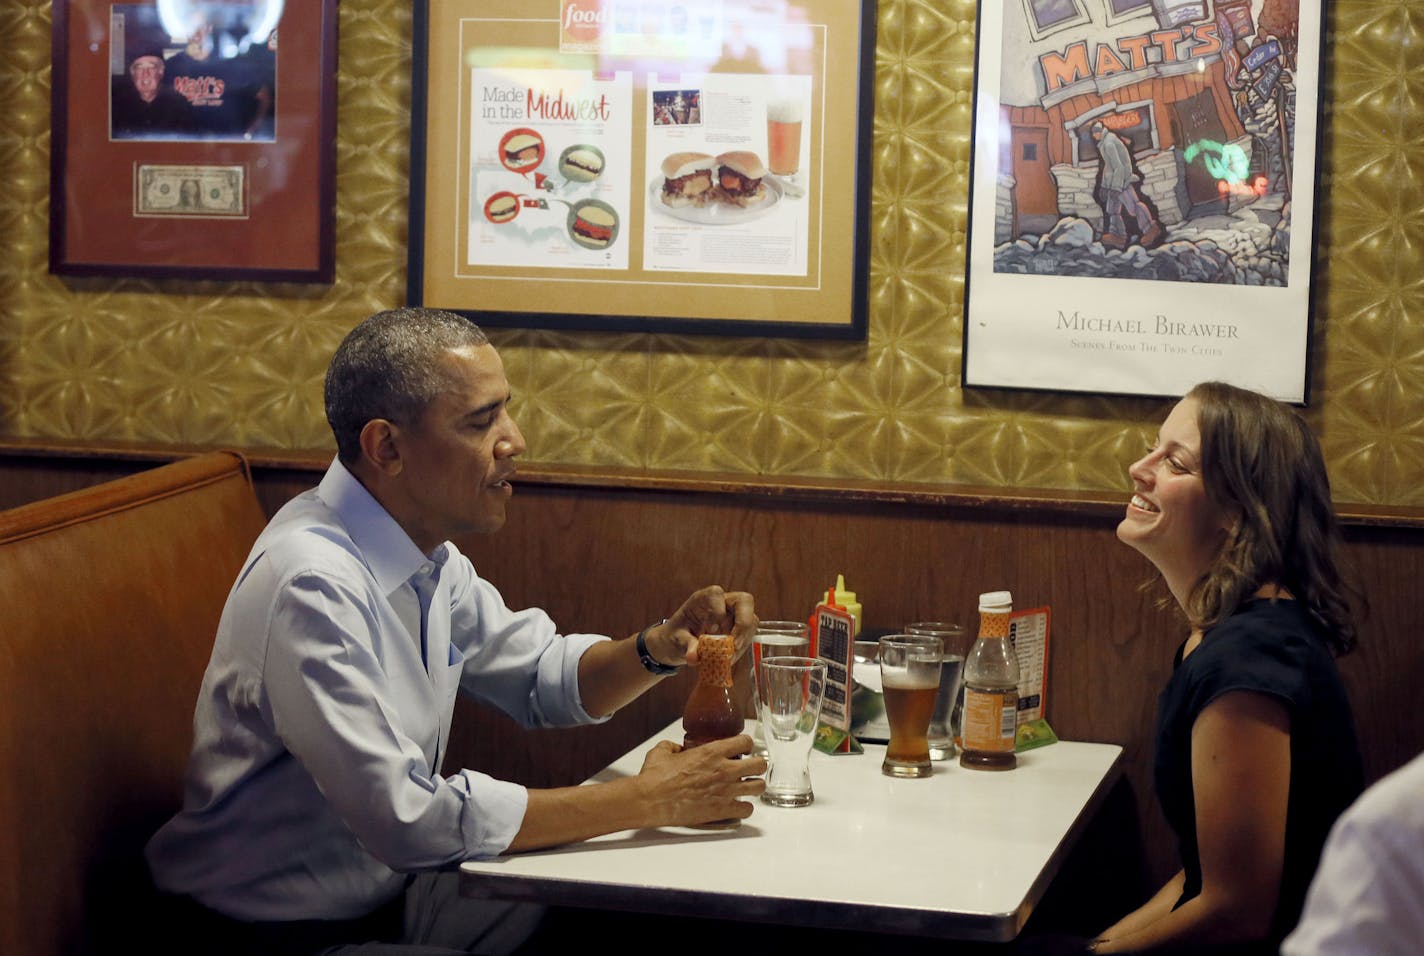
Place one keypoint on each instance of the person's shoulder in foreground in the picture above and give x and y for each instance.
(1368, 895)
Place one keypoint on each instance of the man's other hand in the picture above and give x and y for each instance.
(687, 787)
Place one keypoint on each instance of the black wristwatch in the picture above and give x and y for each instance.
(651, 664)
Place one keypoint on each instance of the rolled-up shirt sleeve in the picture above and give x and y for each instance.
(515, 660)
(349, 698)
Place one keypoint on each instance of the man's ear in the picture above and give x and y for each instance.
(380, 446)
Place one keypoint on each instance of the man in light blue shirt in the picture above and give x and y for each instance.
(313, 791)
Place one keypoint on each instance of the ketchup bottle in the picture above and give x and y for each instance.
(712, 713)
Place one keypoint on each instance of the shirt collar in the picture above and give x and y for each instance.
(388, 551)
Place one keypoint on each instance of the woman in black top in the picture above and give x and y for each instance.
(1256, 752)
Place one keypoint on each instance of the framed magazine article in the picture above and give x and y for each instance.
(653, 165)
(1143, 195)
(194, 139)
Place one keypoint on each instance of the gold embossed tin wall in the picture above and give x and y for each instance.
(242, 363)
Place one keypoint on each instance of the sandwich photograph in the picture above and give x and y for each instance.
(501, 207)
(522, 150)
(593, 224)
(736, 179)
(581, 163)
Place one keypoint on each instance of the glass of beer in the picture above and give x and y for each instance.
(909, 677)
(789, 691)
(783, 136)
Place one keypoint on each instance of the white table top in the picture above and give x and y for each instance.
(962, 854)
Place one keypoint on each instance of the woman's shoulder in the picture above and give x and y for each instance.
(1267, 646)
(1276, 625)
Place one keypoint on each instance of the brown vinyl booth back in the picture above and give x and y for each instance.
(109, 599)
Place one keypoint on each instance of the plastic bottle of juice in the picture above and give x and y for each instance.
(991, 689)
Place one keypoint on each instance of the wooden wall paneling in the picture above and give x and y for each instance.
(23, 480)
(1386, 671)
(612, 559)
(1111, 646)
(277, 486)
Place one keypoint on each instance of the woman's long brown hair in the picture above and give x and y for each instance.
(1261, 464)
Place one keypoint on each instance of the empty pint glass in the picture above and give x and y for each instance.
(909, 678)
(774, 639)
(789, 693)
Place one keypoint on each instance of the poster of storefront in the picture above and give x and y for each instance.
(654, 165)
(1142, 207)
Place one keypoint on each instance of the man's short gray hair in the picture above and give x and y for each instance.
(388, 367)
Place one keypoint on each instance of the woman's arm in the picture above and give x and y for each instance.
(1154, 909)
(1241, 785)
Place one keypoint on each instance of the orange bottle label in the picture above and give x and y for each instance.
(715, 654)
(994, 625)
(989, 718)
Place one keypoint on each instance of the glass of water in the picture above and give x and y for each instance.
(944, 719)
(774, 639)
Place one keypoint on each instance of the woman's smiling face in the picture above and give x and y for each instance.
(1169, 519)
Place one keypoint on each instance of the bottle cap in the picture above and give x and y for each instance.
(996, 601)
(847, 600)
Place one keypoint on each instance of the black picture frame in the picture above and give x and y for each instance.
(1144, 196)
(671, 274)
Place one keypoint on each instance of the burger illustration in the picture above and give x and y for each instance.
(593, 224)
(522, 149)
(581, 164)
(739, 178)
(501, 207)
(687, 179)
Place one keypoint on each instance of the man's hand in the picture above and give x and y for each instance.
(611, 673)
(687, 787)
(675, 787)
(708, 611)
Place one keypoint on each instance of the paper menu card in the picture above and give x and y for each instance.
(1028, 632)
(834, 644)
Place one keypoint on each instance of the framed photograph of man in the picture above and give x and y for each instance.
(207, 73)
(1143, 195)
(189, 141)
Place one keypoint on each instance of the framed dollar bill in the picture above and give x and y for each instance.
(194, 139)
(192, 192)
(655, 165)
(1143, 195)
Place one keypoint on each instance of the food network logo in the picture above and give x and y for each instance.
(581, 24)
